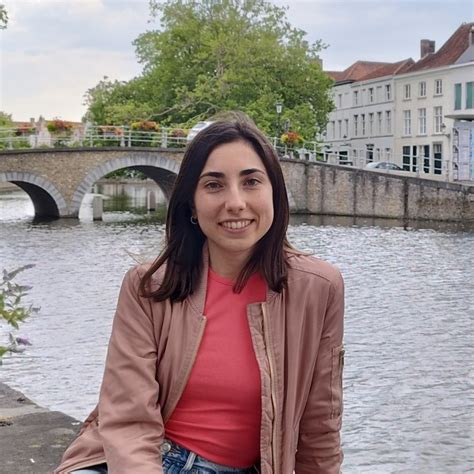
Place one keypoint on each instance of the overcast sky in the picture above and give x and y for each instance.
(54, 50)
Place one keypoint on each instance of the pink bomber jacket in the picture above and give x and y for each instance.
(297, 336)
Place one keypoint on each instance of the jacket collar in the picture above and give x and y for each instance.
(197, 299)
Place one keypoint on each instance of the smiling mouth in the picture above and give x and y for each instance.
(236, 224)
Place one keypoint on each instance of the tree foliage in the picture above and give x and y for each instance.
(213, 55)
(5, 120)
(3, 17)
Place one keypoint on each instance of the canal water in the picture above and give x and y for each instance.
(409, 403)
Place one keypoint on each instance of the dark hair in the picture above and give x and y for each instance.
(184, 241)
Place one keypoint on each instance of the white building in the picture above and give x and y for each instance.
(360, 129)
(431, 98)
(401, 111)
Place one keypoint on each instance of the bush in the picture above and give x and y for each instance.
(12, 309)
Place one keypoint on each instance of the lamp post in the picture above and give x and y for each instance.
(279, 108)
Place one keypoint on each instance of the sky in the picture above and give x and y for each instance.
(53, 51)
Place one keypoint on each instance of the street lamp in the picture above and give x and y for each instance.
(279, 108)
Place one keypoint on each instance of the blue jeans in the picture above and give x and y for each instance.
(179, 460)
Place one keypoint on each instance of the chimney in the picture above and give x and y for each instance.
(426, 47)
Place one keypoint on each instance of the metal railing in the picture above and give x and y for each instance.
(98, 136)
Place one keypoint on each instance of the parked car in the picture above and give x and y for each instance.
(196, 129)
(383, 165)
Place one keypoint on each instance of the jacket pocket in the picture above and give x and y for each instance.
(337, 365)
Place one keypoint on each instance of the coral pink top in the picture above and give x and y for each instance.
(218, 415)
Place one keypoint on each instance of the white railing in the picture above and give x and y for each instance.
(98, 136)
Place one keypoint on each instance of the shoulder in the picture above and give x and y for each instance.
(306, 269)
(139, 271)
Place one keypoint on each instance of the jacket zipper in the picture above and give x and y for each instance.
(272, 384)
(188, 372)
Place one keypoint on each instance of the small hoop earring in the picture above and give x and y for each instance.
(193, 220)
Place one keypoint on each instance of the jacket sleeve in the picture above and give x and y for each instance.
(130, 421)
(319, 446)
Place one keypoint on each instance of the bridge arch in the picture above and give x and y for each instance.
(48, 202)
(159, 168)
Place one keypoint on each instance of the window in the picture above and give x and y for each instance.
(426, 158)
(388, 92)
(438, 119)
(371, 124)
(339, 101)
(407, 122)
(356, 97)
(469, 95)
(422, 89)
(329, 131)
(388, 121)
(371, 95)
(438, 157)
(379, 123)
(346, 127)
(438, 87)
(339, 129)
(363, 124)
(407, 91)
(457, 96)
(356, 120)
(422, 121)
(379, 94)
(406, 157)
(409, 156)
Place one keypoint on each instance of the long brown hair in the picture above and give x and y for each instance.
(182, 253)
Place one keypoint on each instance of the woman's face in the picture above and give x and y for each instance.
(233, 202)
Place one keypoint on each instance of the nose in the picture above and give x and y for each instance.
(235, 200)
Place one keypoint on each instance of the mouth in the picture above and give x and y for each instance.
(241, 224)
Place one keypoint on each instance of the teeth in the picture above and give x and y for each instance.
(236, 224)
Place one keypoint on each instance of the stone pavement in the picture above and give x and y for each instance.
(32, 438)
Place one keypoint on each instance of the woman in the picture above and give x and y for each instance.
(226, 353)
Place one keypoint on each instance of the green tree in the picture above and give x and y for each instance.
(213, 55)
(3, 17)
(6, 120)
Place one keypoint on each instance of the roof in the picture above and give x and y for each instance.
(449, 53)
(390, 69)
(357, 71)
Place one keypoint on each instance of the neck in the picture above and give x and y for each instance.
(228, 266)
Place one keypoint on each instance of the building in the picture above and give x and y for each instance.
(401, 111)
(360, 129)
(434, 98)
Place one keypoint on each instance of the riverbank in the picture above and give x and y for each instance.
(32, 438)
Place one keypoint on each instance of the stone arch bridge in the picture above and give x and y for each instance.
(57, 180)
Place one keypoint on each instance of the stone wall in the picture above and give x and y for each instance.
(318, 188)
(59, 179)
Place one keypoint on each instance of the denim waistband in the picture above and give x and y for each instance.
(191, 460)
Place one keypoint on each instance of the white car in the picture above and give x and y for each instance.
(196, 129)
(383, 165)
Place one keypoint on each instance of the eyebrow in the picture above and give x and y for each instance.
(220, 175)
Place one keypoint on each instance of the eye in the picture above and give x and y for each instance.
(212, 185)
(252, 182)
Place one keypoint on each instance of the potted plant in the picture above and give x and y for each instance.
(290, 139)
(61, 132)
(143, 132)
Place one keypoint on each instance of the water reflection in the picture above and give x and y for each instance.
(409, 404)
